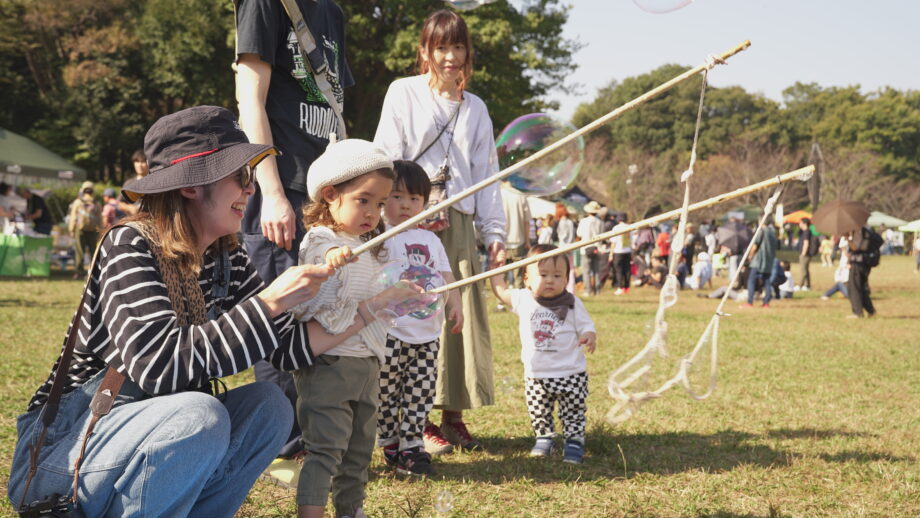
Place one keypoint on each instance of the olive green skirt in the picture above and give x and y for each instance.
(465, 359)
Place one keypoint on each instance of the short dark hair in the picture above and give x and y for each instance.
(807, 221)
(411, 176)
(4, 188)
(139, 156)
(543, 248)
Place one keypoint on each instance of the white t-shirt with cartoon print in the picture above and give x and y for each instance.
(549, 348)
(422, 251)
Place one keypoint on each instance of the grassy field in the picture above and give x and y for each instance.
(814, 415)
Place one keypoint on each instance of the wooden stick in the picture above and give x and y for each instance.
(803, 172)
(617, 112)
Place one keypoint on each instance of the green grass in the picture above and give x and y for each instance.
(814, 415)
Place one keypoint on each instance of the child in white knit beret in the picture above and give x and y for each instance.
(338, 395)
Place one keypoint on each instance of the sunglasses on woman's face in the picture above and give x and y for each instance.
(246, 176)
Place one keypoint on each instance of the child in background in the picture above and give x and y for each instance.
(787, 288)
(545, 234)
(408, 373)
(337, 396)
(701, 272)
(841, 274)
(555, 331)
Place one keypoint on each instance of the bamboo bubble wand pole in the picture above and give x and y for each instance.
(617, 112)
(798, 174)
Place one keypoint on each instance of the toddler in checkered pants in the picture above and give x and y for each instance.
(555, 331)
(409, 372)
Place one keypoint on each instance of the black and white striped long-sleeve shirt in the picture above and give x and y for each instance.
(128, 323)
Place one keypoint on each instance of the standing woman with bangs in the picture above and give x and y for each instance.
(432, 120)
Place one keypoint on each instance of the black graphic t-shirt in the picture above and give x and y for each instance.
(300, 118)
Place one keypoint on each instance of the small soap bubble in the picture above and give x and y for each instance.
(661, 6)
(507, 385)
(444, 501)
(551, 174)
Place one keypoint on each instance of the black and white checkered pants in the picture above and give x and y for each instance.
(570, 392)
(408, 377)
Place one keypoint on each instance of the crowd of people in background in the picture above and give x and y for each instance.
(642, 257)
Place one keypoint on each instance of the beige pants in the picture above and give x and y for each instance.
(465, 359)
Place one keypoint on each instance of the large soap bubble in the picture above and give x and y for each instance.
(423, 306)
(551, 174)
(661, 6)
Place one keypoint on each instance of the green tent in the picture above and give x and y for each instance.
(24, 157)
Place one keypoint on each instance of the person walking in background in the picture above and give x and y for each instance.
(621, 257)
(761, 266)
(589, 227)
(864, 249)
(83, 224)
(434, 121)
(809, 244)
(281, 105)
(565, 235)
(663, 245)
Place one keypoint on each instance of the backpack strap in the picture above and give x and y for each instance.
(314, 59)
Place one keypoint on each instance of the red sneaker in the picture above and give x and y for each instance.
(457, 434)
(435, 442)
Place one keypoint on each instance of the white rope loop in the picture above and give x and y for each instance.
(628, 403)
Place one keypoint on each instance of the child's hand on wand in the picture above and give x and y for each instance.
(588, 341)
(339, 257)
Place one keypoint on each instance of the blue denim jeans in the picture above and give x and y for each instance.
(838, 286)
(185, 454)
(767, 277)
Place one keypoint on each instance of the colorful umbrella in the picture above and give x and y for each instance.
(840, 217)
(796, 217)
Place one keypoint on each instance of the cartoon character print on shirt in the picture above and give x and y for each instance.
(316, 116)
(421, 269)
(544, 324)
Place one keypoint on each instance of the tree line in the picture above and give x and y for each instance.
(86, 78)
(869, 142)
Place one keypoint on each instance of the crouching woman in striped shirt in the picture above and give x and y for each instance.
(172, 304)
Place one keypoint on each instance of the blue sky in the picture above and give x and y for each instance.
(873, 43)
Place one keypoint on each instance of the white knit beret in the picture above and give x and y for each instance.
(342, 161)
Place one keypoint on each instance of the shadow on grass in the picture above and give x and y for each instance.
(611, 455)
